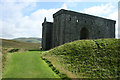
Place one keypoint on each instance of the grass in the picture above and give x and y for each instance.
(19, 45)
(27, 65)
(7, 46)
(62, 76)
(98, 58)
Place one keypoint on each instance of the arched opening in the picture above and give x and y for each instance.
(84, 33)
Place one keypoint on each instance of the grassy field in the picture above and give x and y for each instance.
(98, 58)
(19, 45)
(15, 46)
(27, 65)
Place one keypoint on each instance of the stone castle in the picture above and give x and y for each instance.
(69, 26)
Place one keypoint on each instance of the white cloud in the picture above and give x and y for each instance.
(114, 16)
(61, 0)
(20, 0)
(99, 10)
(11, 16)
(64, 6)
(17, 25)
(119, 19)
(1, 28)
(48, 13)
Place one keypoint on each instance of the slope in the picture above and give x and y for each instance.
(97, 58)
(16, 44)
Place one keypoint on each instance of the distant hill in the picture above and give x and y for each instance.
(98, 58)
(20, 45)
(32, 40)
(10, 46)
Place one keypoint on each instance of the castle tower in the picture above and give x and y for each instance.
(46, 34)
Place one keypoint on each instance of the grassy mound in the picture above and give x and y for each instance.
(87, 58)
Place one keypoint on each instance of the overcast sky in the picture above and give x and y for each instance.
(23, 18)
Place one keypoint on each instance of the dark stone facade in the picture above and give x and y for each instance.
(47, 35)
(69, 26)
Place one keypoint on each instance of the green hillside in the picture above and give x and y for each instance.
(97, 58)
(10, 46)
(32, 40)
(20, 45)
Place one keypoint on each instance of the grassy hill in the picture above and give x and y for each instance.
(15, 46)
(97, 58)
(32, 40)
(20, 45)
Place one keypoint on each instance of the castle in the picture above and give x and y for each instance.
(69, 26)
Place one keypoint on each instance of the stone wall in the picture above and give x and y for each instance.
(69, 26)
(47, 35)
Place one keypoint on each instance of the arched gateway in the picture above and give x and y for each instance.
(84, 33)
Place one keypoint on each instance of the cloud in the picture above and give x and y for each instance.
(114, 16)
(99, 10)
(61, 0)
(15, 24)
(1, 28)
(119, 19)
(11, 14)
(42, 13)
(13, 9)
(20, 0)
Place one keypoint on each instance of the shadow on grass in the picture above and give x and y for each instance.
(62, 76)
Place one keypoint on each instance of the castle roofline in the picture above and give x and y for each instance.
(47, 23)
(63, 11)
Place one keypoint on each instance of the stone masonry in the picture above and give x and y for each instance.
(69, 26)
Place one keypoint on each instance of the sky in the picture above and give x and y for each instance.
(24, 18)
